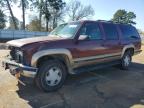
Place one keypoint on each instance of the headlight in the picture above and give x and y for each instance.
(19, 56)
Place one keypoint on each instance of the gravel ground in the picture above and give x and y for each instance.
(104, 88)
(2, 46)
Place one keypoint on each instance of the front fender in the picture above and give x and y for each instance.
(48, 52)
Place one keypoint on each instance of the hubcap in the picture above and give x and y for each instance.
(53, 76)
(127, 60)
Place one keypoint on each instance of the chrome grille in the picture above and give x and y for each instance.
(16, 55)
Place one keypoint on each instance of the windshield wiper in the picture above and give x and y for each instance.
(58, 35)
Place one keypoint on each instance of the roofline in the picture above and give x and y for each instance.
(102, 21)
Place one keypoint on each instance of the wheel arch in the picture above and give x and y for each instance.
(130, 47)
(63, 55)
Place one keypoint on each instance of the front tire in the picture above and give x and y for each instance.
(126, 60)
(51, 75)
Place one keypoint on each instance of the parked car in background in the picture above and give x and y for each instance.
(73, 48)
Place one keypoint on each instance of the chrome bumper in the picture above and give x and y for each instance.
(137, 52)
(19, 68)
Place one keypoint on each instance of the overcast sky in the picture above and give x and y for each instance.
(104, 9)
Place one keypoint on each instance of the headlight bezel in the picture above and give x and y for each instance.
(19, 56)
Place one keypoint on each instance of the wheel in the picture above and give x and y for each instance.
(126, 60)
(51, 75)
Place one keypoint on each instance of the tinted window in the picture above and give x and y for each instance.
(92, 30)
(128, 31)
(110, 31)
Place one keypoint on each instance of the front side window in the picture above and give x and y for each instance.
(67, 30)
(128, 31)
(92, 30)
(110, 31)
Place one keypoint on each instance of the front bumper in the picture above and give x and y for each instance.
(19, 68)
(137, 52)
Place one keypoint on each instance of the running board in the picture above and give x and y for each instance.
(94, 67)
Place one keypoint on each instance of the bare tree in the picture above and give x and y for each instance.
(2, 20)
(77, 11)
(57, 14)
(11, 24)
(23, 13)
(24, 4)
(7, 4)
(38, 4)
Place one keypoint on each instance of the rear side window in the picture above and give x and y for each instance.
(110, 31)
(129, 32)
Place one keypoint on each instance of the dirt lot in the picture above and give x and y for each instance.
(104, 88)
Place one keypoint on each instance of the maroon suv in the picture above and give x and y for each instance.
(73, 48)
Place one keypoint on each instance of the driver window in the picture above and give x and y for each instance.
(92, 30)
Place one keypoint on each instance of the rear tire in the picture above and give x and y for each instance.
(51, 75)
(126, 60)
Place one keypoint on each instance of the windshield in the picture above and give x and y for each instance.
(67, 30)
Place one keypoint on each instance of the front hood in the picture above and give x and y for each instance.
(22, 42)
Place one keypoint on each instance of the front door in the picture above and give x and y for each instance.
(91, 48)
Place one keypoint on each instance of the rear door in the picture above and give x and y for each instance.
(112, 41)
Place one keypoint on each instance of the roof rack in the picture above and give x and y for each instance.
(109, 21)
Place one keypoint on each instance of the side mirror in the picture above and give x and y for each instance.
(83, 37)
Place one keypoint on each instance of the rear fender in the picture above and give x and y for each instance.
(127, 47)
